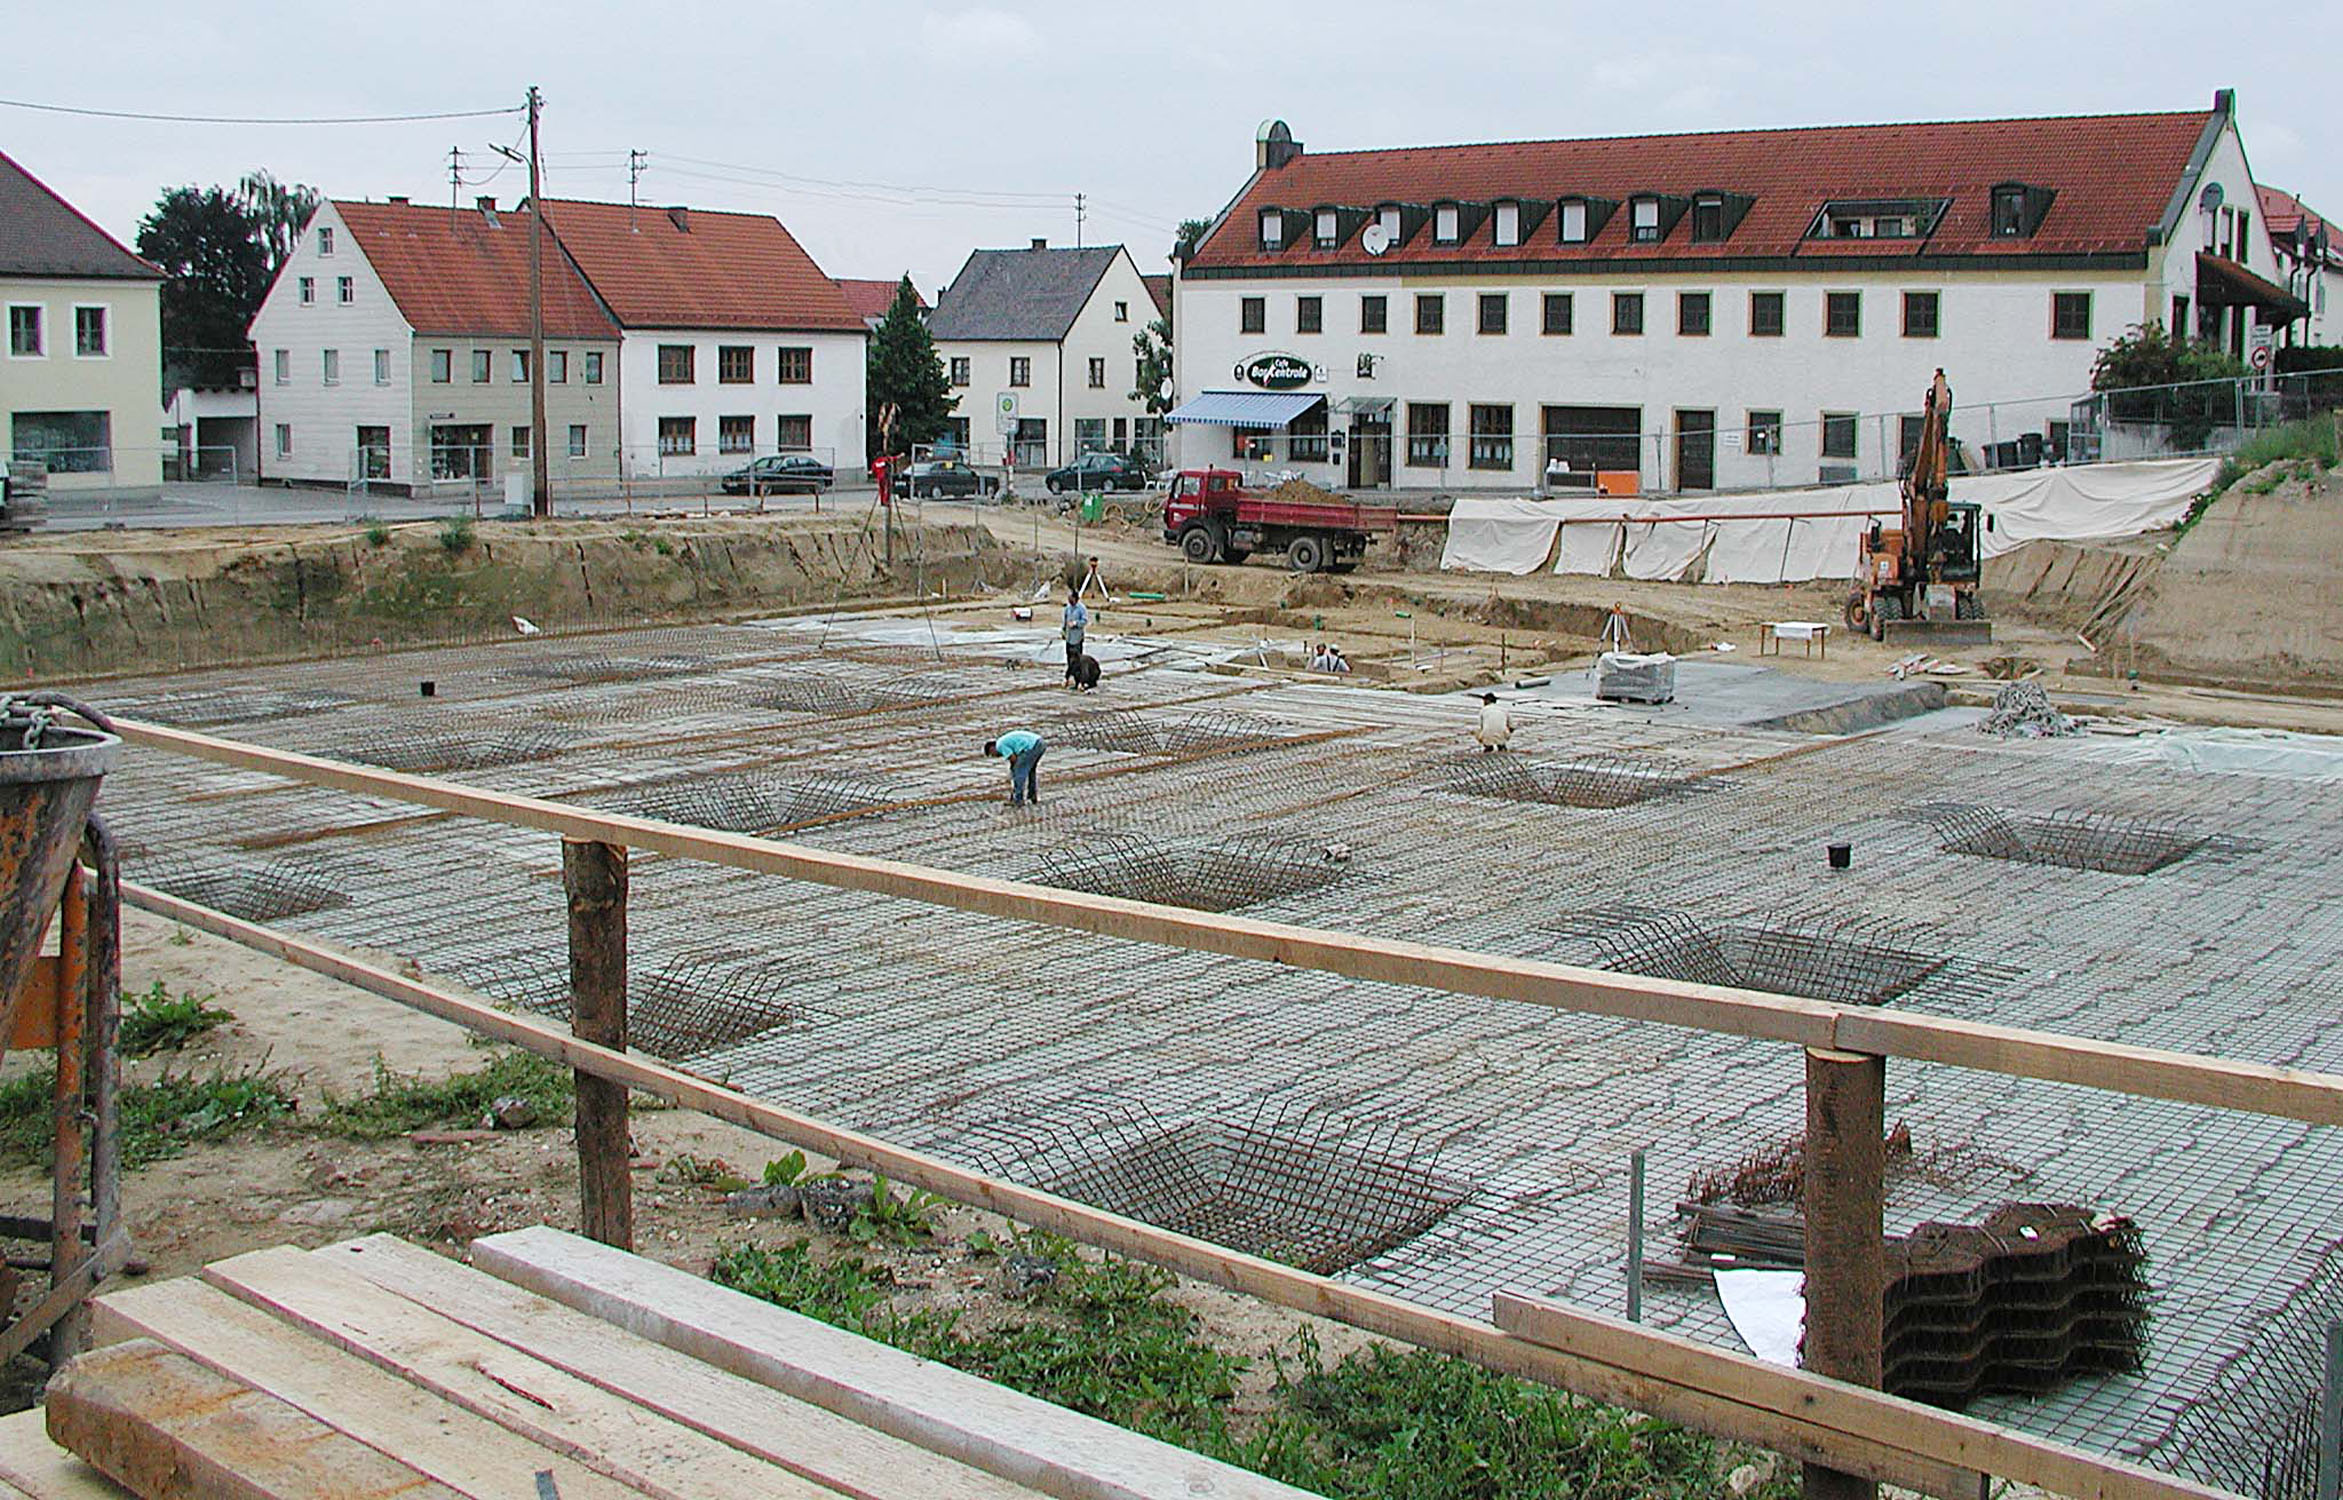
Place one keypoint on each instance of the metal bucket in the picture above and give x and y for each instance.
(46, 789)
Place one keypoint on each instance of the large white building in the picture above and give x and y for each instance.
(1037, 346)
(733, 342)
(81, 373)
(1719, 311)
(393, 353)
(2310, 259)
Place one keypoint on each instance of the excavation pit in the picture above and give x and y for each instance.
(1220, 875)
(2075, 840)
(1295, 1186)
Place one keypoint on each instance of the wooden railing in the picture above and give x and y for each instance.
(1848, 1435)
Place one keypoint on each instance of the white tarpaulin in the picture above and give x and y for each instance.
(2056, 504)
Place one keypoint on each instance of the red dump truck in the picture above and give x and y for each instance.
(1211, 517)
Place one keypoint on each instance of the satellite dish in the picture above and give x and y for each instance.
(2210, 198)
(1164, 390)
(1375, 238)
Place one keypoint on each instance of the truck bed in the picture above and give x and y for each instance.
(1306, 515)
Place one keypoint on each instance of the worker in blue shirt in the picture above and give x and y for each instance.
(1021, 748)
(1077, 620)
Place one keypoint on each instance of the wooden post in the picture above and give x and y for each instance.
(69, 1165)
(1846, 1102)
(595, 877)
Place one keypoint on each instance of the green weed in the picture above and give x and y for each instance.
(403, 1102)
(159, 1119)
(378, 535)
(456, 534)
(1391, 1424)
(786, 1171)
(157, 1021)
(662, 546)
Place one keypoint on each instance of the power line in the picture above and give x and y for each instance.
(126, 114)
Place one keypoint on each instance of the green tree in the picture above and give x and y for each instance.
(278, 213)
(204, 241)
(2149, 376)
(1153, 345)
(905, 377)
(1191, 234)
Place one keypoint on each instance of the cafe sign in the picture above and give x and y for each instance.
(1278, 372)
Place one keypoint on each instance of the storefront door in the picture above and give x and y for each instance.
(1370, 453)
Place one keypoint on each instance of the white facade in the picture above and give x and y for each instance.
(1079, 393)
(822, 413)
(80, 381)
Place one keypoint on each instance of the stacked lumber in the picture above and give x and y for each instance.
(373, 1368)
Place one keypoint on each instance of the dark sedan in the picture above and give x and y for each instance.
(781, 474)
(948, 479)
(1098, 471)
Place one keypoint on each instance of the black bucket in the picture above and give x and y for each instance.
(1842, 856)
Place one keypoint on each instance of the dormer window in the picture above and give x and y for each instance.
(1388, 217)
(1272, 229)
(1877, 219)
(1508, 231)
(1444, 223)
(1328, 230)
(1644, 225)
(1708, 218)
(2009, 211)
(1574, 221)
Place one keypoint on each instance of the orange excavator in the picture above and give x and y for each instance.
(1921, 579)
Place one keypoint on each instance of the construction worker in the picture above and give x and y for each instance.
(1076, 622)
(1021, 748)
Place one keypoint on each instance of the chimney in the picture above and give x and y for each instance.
(1040, 242)
(400, 198)
(681, 218)
(486, 203)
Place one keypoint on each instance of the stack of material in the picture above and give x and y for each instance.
(2022, 711)
(1631, 677)
(561, 1367)
(2037, 1295)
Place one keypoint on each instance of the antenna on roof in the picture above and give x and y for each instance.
(455, 175)
(1078, 215)
(634, 174)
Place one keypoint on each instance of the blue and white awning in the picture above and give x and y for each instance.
(1245, 408)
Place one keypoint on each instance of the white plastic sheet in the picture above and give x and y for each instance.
(1499, 536)
(1768, 1310)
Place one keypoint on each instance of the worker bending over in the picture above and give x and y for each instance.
(1021, 748)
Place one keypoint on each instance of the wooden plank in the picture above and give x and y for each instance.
(2287, 1092)
(33, 1466)
(165, 1428)
(1845, 1196)
(801, 1437)
(465, 1452)
(1948, 1436)
(594, 878)
(948, 1411)
(545, 1405)
(1376, 1312)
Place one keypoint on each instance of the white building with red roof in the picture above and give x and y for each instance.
(393, 352)
(2309, 248)
(1733, 310)
(732, 342)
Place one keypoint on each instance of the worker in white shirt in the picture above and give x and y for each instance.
(1495, 730)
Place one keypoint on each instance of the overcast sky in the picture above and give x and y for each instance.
(898, 136)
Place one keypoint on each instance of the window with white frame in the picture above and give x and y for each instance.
(284, 367)
(1098, 372)
(284, 440)
(483, 364)
(521, 442)
(1272, 229)
(345, 290)
(1388, 216)
(1447, 220)
(520, 367)
(796, 365)
(1122, 312)
(557, 367)
(443, 366)
(1646, 219)
(28, 336)
(1020, 370)
(577, 440)
(325, 239)
(331, 363)
(308, 289)
(382, 367)
(1329, 228)
(593, 367)
(89, 332)
(1574, 221)
(959, 369)
(1508, 230)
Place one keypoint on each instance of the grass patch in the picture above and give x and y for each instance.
(2312, 440)
(159, 1120)
(456, 534)
(1394, 1424)
(403, 1102)
(378, 535)
(158, 1021)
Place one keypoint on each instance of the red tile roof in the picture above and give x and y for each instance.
(452, 271)
(2112, 175)
(1160, 288)
(871, 299)
(697, 268)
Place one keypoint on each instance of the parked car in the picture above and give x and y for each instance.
(947, 478)
(1098, 471)
(780, 474)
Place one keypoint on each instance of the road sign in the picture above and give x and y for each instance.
(2260, 358)
(1006, 407)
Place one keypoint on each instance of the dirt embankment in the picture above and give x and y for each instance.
(87, 603)
(2245, 598)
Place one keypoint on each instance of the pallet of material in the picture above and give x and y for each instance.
(554, 1365)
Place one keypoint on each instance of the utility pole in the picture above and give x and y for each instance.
(540, 493)
(634, 174)
(455, 176)
(1078, 215)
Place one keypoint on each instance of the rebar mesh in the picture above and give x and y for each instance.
(210, 707)
(2073, 838)
(254, 890)
(1136, 733)
(1294, 1183)
(2258, 1430)
(1809, 959)
(752, 801)
(1203, 875)
(581, 670)
(425, 748)
(1598, 781)
(700, 1002)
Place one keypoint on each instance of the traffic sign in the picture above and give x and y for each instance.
(2260, 357)
(1007, 405)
